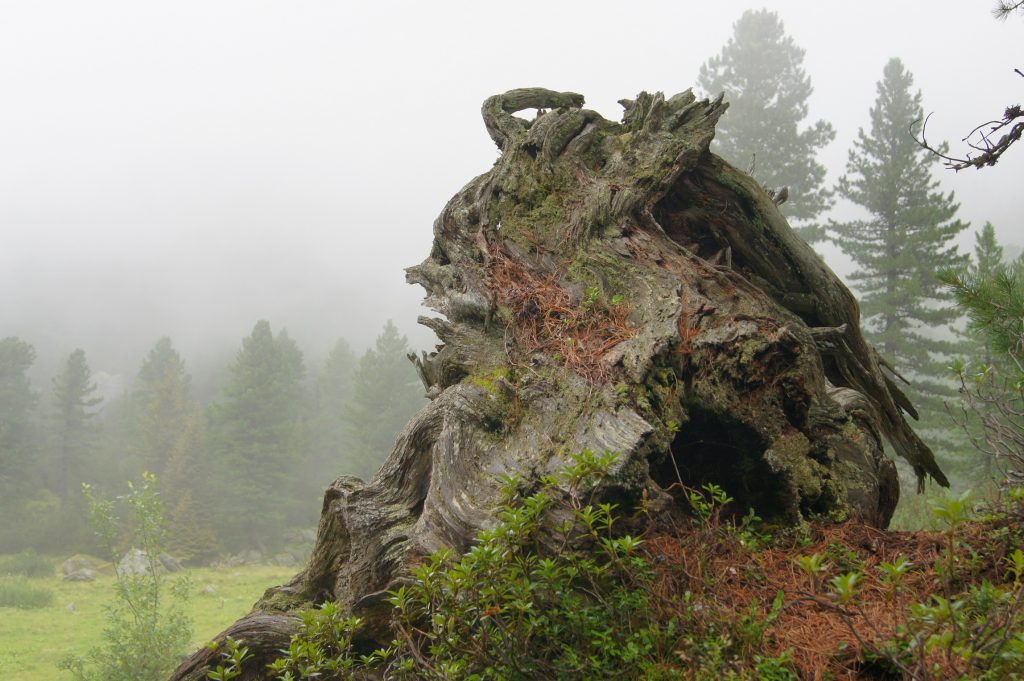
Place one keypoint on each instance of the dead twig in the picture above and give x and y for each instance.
(981, 139)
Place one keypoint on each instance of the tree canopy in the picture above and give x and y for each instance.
(256, 431)
(761, 72)
(385, 394)
(910, 231)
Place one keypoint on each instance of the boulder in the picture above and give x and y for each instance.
(80, 561)
(135, 563)
(81, 575)
(169, 563)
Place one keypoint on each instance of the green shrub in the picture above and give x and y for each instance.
(521, 604)
(27, 564)
(19, 592)
(147, 630)
(553, 591)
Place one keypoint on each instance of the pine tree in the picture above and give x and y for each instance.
(256, 439)
(168, 427)
(188, 470)
(386, 394)
(329, 437)
(18, 446)
(761, 72)
(988, 257)
(74, 405)
(161, 403)
(976, 357)
(908, 235)
(993, 398)
(988, 254)
(190, 537)
(994, 302)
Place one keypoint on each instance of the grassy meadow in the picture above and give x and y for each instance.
(33, 641)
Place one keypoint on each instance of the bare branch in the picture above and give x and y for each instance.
(981, 139)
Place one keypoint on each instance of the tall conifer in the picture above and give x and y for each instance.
(988, 258)
(161, 406)
(256, 432)
(761, 72)
(907, 236)
(18, 448)
(386, 393)
(329, 437)
(74, 404)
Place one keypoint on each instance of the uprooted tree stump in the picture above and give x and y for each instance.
(610, 286)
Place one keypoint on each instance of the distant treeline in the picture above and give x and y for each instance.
(246, 470)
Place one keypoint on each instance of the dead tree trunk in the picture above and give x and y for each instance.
(611, 286)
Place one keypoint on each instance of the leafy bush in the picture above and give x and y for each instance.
(553, 591)
(19, 592)
(556, 590)
(27, 563)
(523, 604)
(147, 631)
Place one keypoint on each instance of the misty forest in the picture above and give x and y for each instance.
(722, 381)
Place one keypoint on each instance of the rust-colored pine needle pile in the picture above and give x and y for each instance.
(546, 315)
(726, 583)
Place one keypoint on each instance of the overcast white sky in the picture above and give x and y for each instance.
(187, 168)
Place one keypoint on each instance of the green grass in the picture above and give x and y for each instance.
(19, 592)
(27, 564)
(32, 641)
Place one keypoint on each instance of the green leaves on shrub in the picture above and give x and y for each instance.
(524, 602)
(147, 629)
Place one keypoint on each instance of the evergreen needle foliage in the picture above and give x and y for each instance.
(385, 395)
(235, 474)
(909, 233)
(761, 72)
(992, 392)
(74, 405)
(17, 450)
(330, 443)
(994, 302)
(256, 441)
(988, 258)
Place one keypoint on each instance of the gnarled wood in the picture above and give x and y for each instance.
(612, 286)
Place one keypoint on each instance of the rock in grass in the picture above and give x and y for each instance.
(82, 575)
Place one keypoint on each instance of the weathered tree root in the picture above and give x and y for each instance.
(610, 286)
